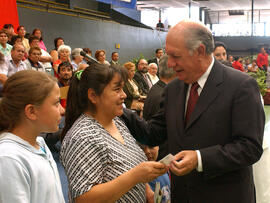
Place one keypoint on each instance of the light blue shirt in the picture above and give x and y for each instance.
(27, 174)
(6, 51)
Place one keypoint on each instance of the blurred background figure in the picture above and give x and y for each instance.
(38, 33)
(76, 58)
(33, 61)
(21, 32)
(115, 58)
(101, 56)
(152, 73)
(57, 43)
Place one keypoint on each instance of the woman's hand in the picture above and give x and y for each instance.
(147, 171)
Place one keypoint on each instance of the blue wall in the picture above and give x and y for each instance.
(79, 32)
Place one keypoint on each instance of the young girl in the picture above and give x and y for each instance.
(29, 106)
(101, 158)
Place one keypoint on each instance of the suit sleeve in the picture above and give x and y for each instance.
(245, 148)
(153, 132)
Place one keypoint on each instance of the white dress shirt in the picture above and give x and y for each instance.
(201, 81)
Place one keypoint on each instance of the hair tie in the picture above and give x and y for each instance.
(78, 74)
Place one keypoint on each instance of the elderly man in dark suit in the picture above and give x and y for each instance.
(213, 119)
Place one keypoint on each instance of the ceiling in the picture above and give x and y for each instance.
(213, 5)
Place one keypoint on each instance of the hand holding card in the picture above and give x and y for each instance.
(167, 159)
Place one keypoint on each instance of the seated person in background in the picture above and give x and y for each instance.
(9, 28)
(21, 32)
(13, 65)
(57, 43)
(16, 39)
(141, 77)
(152, 73)
(154, 97)
(253, 66)
(220, 53)
(32, 63)
(45, 57)
(38, 33)
(29, 106)
(101, 158)
(87, 51)
(65, 74)
(115, 58)
(135, 96)
(230, 59)
(237, 64)
(76, 58)
(159, 54)
(64, 52)
(101, 56)
(5, 48)
(2, 77)
(164, 180)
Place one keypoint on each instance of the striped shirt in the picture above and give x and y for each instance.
(91, 156)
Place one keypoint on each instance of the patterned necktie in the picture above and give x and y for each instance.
(192, 100)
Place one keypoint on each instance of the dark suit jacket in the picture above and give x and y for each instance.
(151, 107)
(227, 127)
(138, 77)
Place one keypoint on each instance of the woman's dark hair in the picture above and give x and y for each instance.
(55, 42)
(8, 26)
(14, 39)
(37, 29)
(66, 64)
(22, 88)
(19, 27)
(96, 77)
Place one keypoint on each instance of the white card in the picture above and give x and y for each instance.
(167, 159)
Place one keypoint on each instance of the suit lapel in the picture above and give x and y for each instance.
(210, 91)
(180, 104)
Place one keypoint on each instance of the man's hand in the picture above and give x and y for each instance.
(185, 161)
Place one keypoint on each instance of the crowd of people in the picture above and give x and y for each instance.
(115, 122)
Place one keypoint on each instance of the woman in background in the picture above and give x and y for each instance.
(135, 96)
(29, 106)
(57, 43)
(101, 57)
(101, 158)
(38, 33)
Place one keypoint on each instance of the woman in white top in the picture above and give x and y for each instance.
(30, 105)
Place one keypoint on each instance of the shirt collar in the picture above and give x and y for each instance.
(202, 80)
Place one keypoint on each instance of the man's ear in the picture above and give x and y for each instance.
(30, 112)
(201, 50)
(92, 96)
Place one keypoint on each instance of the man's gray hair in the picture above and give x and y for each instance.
(164, 70)
(199, 35)
(76, 52)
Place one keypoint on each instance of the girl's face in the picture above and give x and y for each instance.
(110, 102)
(49, 112)
(59, 43)
(38, 33)
(22, 32)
